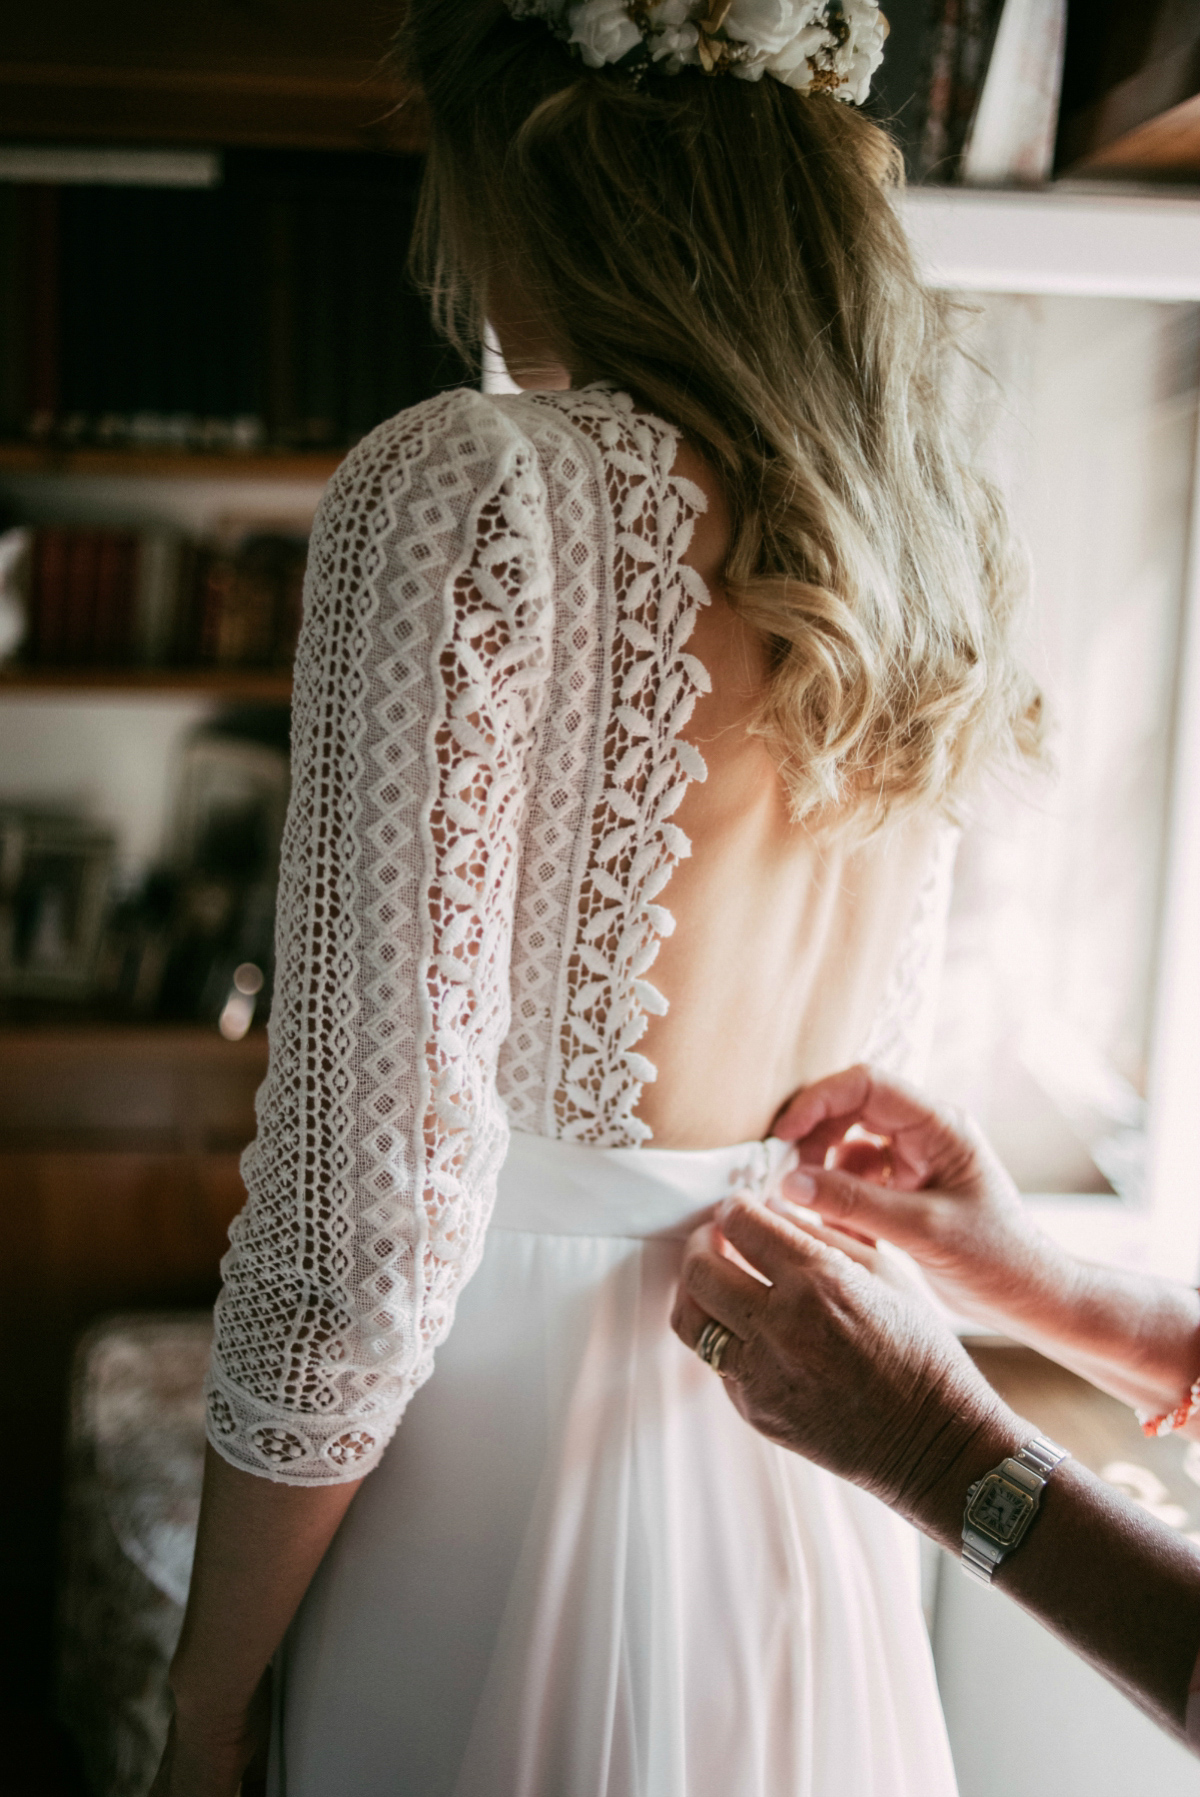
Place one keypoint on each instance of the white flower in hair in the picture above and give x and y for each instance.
(794, 62)
(767, 27)
(832, 46)
(672, 33)
(602, 30)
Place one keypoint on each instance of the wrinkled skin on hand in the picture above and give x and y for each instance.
(830, 1360)
(927, 1181)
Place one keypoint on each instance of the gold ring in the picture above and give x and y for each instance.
(714, 1339)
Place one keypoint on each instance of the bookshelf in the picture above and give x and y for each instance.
(264, 686)
(1076, 239)
(121, 464)
(183, 364)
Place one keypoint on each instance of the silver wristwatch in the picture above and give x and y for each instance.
(1001, 1506)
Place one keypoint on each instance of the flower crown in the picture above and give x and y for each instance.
(818, 46)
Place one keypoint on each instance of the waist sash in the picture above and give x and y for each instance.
(560, 1188)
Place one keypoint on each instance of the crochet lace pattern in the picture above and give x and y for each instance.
(492, 683)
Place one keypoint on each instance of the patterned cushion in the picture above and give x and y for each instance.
(135, 1462)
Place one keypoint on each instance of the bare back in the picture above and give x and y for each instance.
(782, 942)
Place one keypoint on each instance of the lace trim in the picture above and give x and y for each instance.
(615, 928)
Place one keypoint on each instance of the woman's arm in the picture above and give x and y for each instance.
(1118, 1587)
(420, 672)
(831, 1362)
(950, 1204)
(257, 1548)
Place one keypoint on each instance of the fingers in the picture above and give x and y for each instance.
(687, 1319)
(923, 1139)
(720, 1289)
(858, 1248)
(712, 1287)
(840, 1095)
(866, 1159)
(689, 1322)
(772, 1244)
(857, 1205)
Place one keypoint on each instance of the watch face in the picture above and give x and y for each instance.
(999, 1509)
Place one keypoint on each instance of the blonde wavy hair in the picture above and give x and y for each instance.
(730, 254)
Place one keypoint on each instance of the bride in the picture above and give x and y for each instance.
(629, 710)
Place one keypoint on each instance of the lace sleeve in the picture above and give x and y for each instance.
(425, 650)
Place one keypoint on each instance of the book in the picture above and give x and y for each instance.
(1011, 138)
(158, 585)
(101, 597)
(81, 273)
(247, 610)
(961, 34)
(319, 365)
(42, 289)
(48, 596)
(79, 598)
(13, 311)
(282, 227)
(114, 597)
(276, 308)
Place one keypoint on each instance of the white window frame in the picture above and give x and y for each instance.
(1115, 245)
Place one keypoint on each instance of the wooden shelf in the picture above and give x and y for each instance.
(262, 685)
(311, 74)
(323, 108)
(79, 1087)
(29, 458)
(1146, 124)
(76, 1039)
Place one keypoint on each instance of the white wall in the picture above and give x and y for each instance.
(112, 755)
(111, 758)
(1027, 1717)
(1047, 1014)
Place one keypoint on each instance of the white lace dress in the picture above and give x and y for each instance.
(574, 1572)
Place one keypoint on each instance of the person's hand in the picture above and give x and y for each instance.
(925, 1179)
(830, 1361)
(204, 1760)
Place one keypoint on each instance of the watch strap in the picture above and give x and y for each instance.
(980, 1558)
(1040, 1456)
(1030, 1471)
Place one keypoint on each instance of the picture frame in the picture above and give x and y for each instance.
(55, 874)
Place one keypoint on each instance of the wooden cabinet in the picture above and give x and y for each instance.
(119, 1178)
(159, 1088)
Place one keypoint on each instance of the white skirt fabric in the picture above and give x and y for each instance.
(578, 1573)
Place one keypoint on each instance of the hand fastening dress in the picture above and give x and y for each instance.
(574, 1572)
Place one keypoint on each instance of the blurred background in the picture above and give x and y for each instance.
(204, 223)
